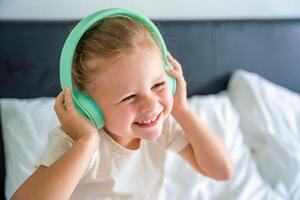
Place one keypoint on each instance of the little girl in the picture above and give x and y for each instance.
(119, 64)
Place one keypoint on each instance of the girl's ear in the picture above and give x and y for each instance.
(88, 107)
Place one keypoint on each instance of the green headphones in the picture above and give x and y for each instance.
(84, 104)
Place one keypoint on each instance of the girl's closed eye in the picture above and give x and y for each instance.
(158, 85)
(128, 98)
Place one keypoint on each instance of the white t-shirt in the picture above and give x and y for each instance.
(115, 172)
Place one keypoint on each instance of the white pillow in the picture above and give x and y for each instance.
(270, 120)
(25, 127)
(182, 182)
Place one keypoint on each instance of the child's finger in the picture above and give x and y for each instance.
(68, 101)
(174, 62)
(178, 76)
(174, 73)
(58, 105)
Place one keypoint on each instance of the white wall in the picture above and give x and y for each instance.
(155, 9)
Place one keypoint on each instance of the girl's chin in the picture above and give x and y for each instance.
(152, 135)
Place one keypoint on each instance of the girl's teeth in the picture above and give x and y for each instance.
(148, 121)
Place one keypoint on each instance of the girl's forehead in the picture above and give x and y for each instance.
(145, 59)
(139, 68)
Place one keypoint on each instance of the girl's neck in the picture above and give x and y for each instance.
(129, 143)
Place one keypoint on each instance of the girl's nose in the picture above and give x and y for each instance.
(149, 104)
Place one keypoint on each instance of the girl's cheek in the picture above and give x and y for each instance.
(170, 101)
(168, 95)
(167, 99)
(119, 119)
(127, 112)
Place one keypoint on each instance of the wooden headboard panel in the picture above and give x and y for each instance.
(208, 51)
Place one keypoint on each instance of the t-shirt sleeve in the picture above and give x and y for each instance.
(58, 143)
(173, 135)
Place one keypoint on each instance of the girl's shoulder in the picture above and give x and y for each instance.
(58, 134)
(173, 136)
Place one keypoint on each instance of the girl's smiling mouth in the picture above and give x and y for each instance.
(148, 123)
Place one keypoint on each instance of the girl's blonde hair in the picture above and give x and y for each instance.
(107, 39)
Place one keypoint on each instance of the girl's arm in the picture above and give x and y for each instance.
(206, 152)
(60, 179)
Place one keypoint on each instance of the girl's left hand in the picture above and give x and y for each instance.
(180, 97)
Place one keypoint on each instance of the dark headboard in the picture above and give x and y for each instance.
(209, 52)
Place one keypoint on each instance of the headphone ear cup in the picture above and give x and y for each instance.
(172, 81)
(87, 107)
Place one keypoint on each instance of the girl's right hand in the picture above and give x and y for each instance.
(72, 122)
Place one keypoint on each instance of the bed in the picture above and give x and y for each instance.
(243, 81)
